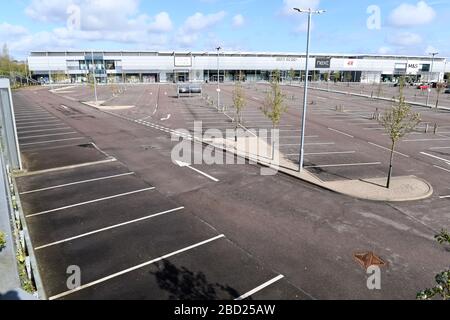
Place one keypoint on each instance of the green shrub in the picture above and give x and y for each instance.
(2, 240)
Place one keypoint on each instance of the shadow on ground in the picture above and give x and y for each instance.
(183, 284)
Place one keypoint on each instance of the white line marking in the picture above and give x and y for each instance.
(49, 135)
(346, 165)
(187, 165)
(435, 157)
(261, 287)
(50, 122)
(108, 228)
(444, 197)
(45, 142)
(329, 153)
(43, 126)
(89, 202)
(78, 182)
(44, 130)
(115, 275)
(447, 170)
(46, 119)
(309, 144)
(387, 149)
(439, 148)
(345, 134)
(425, 140)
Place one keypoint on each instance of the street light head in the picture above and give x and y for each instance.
(219, 48)
(309, 11)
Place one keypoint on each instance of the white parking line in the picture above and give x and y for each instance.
(140, 266)
(309, 144)
(108, 228)
(42, 126)
(439, 148)
(89, 202)
(48, 135)
(329, 153)
(45, 142)
(35, 119)
(33, 122)
(435, 157)
(387, 149)
(78, 182)
(261, 287)
(340, 132)
(44, 130)
(346, 165)
(446, 170)
(426, 140)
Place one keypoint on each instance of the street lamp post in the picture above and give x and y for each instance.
(310, 12)
(218, 77)
(430, 75)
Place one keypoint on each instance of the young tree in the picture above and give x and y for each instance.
(337, 76)
(398, 122)
(442, 288)
(239, 105)
(273, 107)
(291, 75)
(326, 77)
(440, 86)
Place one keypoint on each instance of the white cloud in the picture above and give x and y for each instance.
(238, 21)
(9, 30)
(408, 15)
(161, 23)
(384, 50)
(289, 5)
(404, 39)
(200, 21)
(196, 24)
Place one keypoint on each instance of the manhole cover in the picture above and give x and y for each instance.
(368, 259)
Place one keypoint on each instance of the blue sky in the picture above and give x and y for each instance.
(396, 26)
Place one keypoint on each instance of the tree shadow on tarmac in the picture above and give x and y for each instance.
(183, 284)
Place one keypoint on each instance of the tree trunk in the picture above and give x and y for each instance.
(273, 143)
(391, 166)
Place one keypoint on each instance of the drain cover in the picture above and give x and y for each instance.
(368, 259)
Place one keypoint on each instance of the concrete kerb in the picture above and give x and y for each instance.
(403, 189)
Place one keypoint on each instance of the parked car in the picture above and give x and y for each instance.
(447, 91)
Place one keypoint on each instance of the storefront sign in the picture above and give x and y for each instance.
(323, 63)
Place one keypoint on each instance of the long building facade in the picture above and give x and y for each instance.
(168, 67)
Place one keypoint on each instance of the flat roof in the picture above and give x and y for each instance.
(233, 53)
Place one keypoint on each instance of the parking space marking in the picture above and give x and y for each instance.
(45, 130)
(444, 197)
(108, 228)
(140, 266)
(426, 140)
(49, 135)
(329, 153)
(51, 141)
(43, 126)
(436, 157)
(78, 182)
(340, 132)
(261, 287)
(345, 165)
(89, 202)
(387, 149)
(447, 170)
(50, 122)
(35, 119)
(439, 148)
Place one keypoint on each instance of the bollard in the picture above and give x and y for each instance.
(426, 128)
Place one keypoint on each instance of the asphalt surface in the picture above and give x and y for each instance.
(272, 225)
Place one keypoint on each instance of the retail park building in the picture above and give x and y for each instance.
(164, 67)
